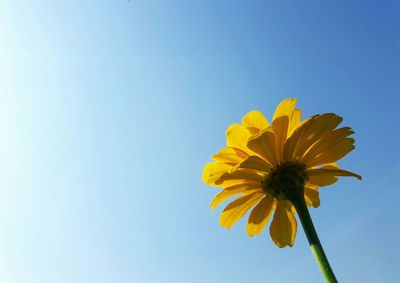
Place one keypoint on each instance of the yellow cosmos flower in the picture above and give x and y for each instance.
(267, 165)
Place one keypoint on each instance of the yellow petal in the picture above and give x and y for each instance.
(237, 136)
(295, 120)
(285, 108)
(230, 155)
(226, 183)
(236, 209)
(242, 174)
(322, 181)
(255, 121)
(234, 190)
(333, 154)
(280, 123)
(326, 143)
(259, 216)
(256, 163)
(311, 196)
(295, 137)
(331, 172)
(213, 171)
(318, 128)
(284, 226)
(264, 144)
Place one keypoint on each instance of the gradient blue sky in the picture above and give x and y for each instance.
(110, 109)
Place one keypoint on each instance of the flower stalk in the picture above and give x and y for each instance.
(299, 203)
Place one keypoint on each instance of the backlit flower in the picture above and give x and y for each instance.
(265, 164)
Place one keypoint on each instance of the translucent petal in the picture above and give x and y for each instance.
(322, 181)
(230, 155)
(295, 120)
(234, 190)
(213, 171)
(264, 144)
(256, 163)
(233, 182)
(236, 209)
(280, 123)
(284, 226)
(333, 154)
(318, 128)
(331, 172)
(295, 137)
(285, 108)
(242, 174)
(311, 195)
(326, 143)
(259, 216)
(255, 121)
(237, 136)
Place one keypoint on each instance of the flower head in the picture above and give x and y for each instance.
(267, 165)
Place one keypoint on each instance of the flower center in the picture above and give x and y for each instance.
(286, 180)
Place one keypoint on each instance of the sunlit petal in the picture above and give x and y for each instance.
(236, 209)
(259, 216)
(255, 122)
(284, 226)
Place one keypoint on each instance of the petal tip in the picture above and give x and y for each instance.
(279, 245)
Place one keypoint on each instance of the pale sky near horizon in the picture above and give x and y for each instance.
(110, 109)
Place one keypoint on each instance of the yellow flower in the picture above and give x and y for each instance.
(266, 165)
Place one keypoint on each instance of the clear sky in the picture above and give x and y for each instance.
(110, 109)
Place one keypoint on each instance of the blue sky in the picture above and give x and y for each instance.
(110, 109)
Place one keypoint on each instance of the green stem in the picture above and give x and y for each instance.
(316, 247)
